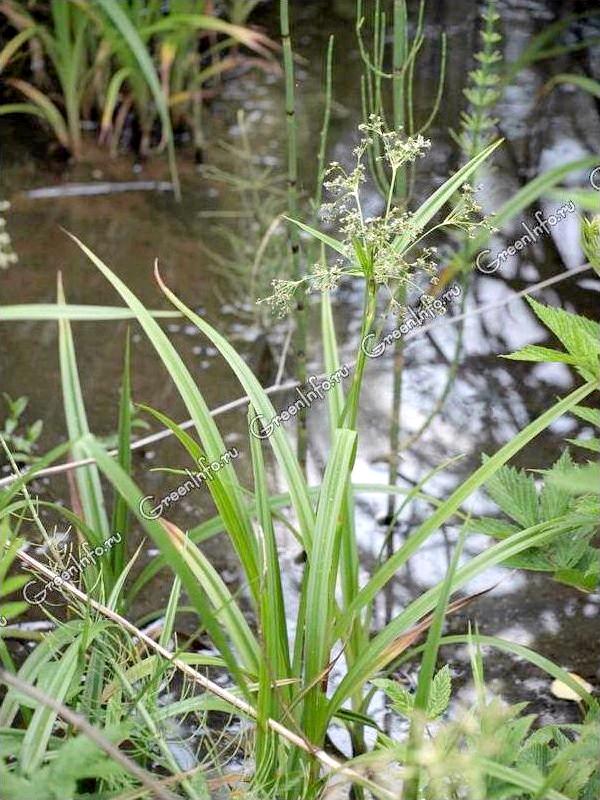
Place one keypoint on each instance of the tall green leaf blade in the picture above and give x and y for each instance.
(229, 498)
(87, 478)
(120, 517)
(47, 311)
(377, 654)
(449, 507)
(164, 541)
(441, 196)
(39, 730)
(261, 402)
(322, 572)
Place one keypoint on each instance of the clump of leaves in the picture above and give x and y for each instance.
(494, 751)
(9, 584)
(582, 479)
(568, 498)
(569, 554)
(21, 440)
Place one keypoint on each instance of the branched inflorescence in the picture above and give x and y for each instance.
(371, 245)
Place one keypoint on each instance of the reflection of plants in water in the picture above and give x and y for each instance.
(252, 243)
(7, 253)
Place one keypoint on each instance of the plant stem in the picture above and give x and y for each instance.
(398, 188)
(292, 204)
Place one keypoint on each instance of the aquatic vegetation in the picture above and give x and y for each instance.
(102, 56)
(295, 677)
(22, 442)
(260, 656)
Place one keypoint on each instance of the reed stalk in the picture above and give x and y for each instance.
(292, 206)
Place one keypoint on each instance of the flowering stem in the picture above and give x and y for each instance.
(350, 412)
(391, 192)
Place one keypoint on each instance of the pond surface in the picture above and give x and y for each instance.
(489, 402)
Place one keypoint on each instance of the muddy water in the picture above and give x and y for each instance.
(489, 402)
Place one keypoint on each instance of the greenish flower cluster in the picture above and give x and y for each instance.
(387, 249)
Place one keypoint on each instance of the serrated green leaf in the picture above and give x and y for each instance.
(579, 480)
(533, 352)
(580, 336)
(555, 501)
(440, 692)
(497, 529)
(515, 493)
(402, 700)
(587, 414)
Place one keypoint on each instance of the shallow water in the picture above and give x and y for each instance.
(490, 400)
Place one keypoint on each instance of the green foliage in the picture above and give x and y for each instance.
(278, 650)
(9, 584)
(579, 336)
(77, 760)
(495, 751)
(571, 557)
(590, 240)
(22, 442)
(484, 89)
(109, 57)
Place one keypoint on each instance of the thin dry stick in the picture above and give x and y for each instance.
(81, 724)
(214, 688)
(212, 783)
(241, 401)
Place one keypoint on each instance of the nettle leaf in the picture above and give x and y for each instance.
(587, 414)
(579, 480)
(496, 528)
(585, 581)
(440, 692)
(534, 352)
(555, 500)
(580, 336)
(402, 700)
(534, 559)
(515, 493)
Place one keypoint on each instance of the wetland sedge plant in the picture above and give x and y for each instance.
(103, 714)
